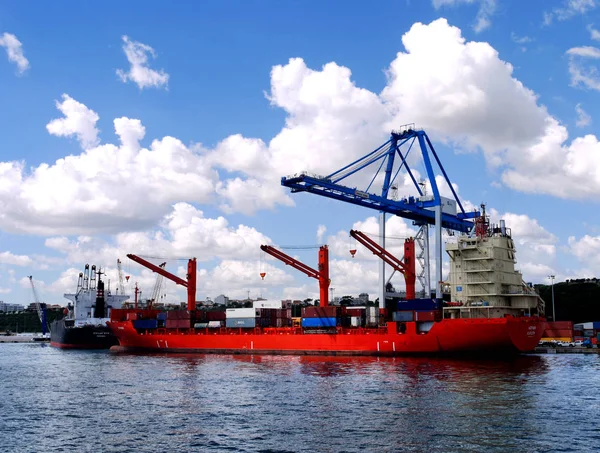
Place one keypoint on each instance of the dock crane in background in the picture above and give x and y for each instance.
(190, 283)
(157, 286)
(322, 274)
(406, 266)
(120, 272)
(422, 209)
(39, 307)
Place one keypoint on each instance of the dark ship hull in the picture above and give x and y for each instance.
(63, 334)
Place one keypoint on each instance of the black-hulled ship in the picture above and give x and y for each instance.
(84, 324)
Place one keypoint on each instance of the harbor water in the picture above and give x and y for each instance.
(95, 401)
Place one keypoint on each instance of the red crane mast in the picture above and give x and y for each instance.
(190, 283)
(322, 274)
(406, 266)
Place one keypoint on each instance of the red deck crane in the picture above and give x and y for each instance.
(190, 283)
(322, 274)
(406, 266)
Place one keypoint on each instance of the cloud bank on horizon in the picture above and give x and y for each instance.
(469, 99)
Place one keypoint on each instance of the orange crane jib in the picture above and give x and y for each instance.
(322, 274)
(406, 266)
(190, 283)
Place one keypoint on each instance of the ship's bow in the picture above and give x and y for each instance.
(526, 332)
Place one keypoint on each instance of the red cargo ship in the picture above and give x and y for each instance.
(448, 336)
(324, 330)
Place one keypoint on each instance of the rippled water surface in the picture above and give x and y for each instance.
(83, 401)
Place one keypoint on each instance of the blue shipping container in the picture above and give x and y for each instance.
(145, 323)
(244, 323)
(596, 325)
(319, 322)
(418, 304)
(162, 316)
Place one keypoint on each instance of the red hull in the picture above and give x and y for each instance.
(450, 336)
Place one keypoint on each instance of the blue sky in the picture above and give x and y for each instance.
(224, 98)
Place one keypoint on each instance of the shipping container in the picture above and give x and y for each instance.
(201, 325)
(267, 304)
(356, 321)
(319, 322)
(236, 313)
(177, 323)
(162, 316)
(403, 316)
(282, 322)
(145, 324)
(426, 315)
(215, 316)
(356, 312)
(560, 325)
(417, 304)
(596, 325)
(215, 324)
(243, 323)
(178, 314)
(320, 312)
(588, 333)
(296, 321)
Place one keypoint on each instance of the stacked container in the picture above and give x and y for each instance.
(215, 316)
(178, 319)
(372, 319)
(320, 317)
(353, 316)
(242, 317)
(145, 323)
(559, 330)
(277, 317)
(421, 310)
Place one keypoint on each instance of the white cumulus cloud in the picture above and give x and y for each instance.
(140, 73)
(17, 260)
(14, 50)
(106, 188)
(79, 121)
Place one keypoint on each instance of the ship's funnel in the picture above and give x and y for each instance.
(502, 228)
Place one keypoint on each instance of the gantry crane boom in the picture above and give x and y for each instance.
(190, 283)
(322, 274)
(429, 209)
(39, 307)
(406, 266)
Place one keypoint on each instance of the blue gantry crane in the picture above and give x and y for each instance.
(392, 158)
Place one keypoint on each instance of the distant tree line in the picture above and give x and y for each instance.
(26, 321)
(576, 300)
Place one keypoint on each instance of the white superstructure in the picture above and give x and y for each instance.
(86, 299)
(483, 278)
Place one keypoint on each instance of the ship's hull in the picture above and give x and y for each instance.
(450, 336)
(81, 337)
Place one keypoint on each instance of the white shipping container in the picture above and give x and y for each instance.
(355, 321)
(267, 304)
(242, 313)
(213, 324)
